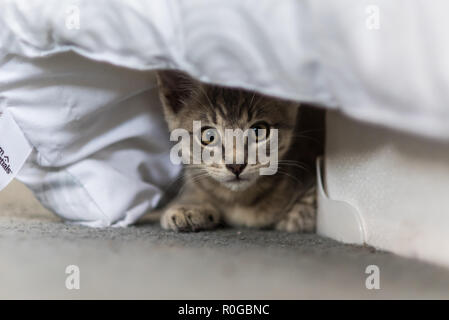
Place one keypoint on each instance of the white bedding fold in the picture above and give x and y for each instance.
(379, 61)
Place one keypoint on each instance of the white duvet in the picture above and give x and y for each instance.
(75, 76)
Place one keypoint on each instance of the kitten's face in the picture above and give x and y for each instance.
(218, 109)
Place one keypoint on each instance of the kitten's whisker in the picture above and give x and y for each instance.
(290, 176)
(195, 166)
(297, 165)
(182, 177)
(252, 99)
(293, 162)
(293, 165)
(199, 102)
(193, 179)
(173, 183)
(207, 97)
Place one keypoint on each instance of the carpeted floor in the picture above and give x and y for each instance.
(146, 262)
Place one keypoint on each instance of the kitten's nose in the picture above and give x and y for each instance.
(236, 168)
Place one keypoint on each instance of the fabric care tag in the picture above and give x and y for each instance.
(14, 148)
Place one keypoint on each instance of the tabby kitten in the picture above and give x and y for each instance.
(236, 194)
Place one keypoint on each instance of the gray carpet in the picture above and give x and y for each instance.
(146, 262)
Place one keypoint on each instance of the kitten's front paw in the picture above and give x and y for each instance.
(302, 218)
(186, 218)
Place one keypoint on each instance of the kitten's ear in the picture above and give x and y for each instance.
(174, 88)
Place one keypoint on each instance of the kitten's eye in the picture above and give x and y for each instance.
(260, 131)
(209, 136)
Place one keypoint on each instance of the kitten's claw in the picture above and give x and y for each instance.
(188, 218)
